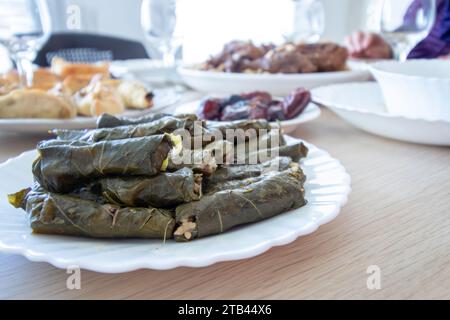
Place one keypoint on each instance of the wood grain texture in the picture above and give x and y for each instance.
(398, 218)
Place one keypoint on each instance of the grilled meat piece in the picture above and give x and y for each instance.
(325, 56)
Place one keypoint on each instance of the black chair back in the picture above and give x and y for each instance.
(89, 48)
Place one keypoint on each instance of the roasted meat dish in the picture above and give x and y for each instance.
(246, 57)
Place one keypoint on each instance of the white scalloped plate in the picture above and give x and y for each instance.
(362, 105)
(311, 113)
(163, 98)
(327, 190)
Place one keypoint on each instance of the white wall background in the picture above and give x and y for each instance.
(121, 17)
(261, 19)
(114, 17)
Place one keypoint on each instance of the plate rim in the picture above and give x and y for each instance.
(189, 71)
(309, 228)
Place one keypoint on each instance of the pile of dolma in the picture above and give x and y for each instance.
(122, 180)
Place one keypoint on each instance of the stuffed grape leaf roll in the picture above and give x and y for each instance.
(237, 184)
(64, 166)
(239, 125)
(296, 152)
(246, 131)
(157, 127)
(202, 161)
(110, 121)
(57, 214)
(228, 174)
(162, 191)
(107, 120)
(274, 194)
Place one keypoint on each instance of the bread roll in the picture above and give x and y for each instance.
(64, 69)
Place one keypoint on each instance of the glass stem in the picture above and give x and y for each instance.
(26, 73)
(401, 55)
(401, 51)
(167, 53)
(168, 57)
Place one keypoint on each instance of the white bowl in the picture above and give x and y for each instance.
(362, 105)
(415, 89)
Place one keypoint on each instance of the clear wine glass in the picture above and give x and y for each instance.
(159, 22)
(24, 28)
(404, 23)
(308, 21)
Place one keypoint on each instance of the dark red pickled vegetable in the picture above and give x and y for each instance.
(294, 104)
(210, 109)
(274, 103)
(262, 96)
(276, 113)
(237, 111)
(258, 110)
(254, 106)
(231, 100)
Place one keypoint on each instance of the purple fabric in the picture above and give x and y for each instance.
(438, 41)
(445, 25)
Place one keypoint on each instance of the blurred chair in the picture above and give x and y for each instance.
(89, 48)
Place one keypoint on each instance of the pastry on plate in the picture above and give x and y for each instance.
(6, 85)
(43, 79)
(34, 103)
(64, 69)
(76, 82)
(69, 89)
(98, 98)
(135, 95)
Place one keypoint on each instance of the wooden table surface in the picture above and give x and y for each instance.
(397, 218)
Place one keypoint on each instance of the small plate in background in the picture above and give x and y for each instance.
(146, 70)
(311, 113)
(163, 98)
